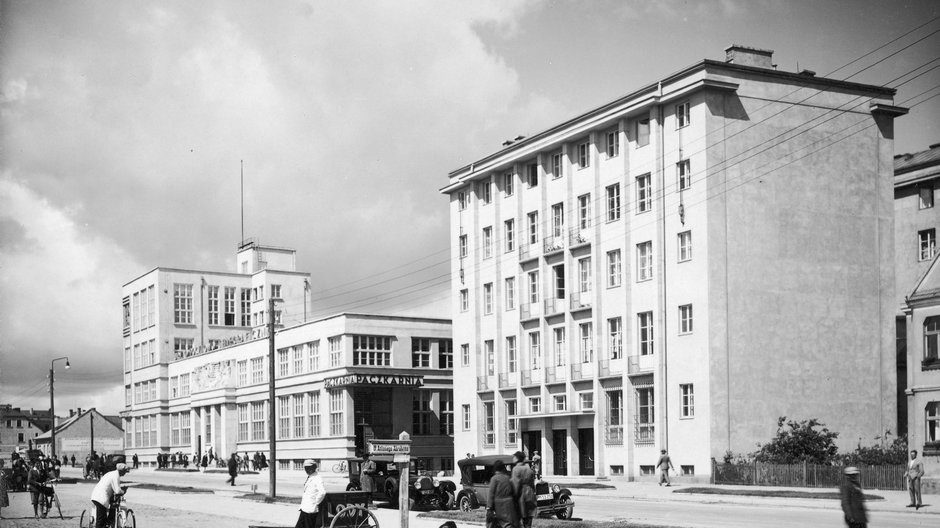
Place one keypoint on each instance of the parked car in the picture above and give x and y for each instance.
(110, 462)
(424, 490)
(475, 474)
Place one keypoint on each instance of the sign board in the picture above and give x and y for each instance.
(374, 379)
(388, 448)
(335, 502)
(83, 445)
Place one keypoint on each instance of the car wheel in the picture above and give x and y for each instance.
(447, 500)
(465, 504)
(565, 513)
(353, 487)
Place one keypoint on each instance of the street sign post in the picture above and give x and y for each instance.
(399, 452)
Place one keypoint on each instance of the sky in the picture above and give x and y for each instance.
(123, 124)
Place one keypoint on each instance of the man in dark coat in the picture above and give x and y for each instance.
(853, 500)
(232, 469)
(502, 507)
(523, 484)
(367, 474)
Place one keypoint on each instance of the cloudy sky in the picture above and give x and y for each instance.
(122, 125)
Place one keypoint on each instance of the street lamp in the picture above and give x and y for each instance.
(52, 397)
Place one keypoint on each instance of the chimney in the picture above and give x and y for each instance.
(71, 413)
(747, 56)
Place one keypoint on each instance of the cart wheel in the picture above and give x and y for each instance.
(129, 520)
(354, 517)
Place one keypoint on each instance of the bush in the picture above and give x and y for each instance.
(799, 441)
(894, 452)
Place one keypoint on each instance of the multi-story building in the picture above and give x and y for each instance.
(20, 427)
(678, 268)
(200, 377)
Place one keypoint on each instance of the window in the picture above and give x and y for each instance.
(336, 413)
(314, 409)
(229, 306)
(684, 174)
(490, 356)
(488, 298)
(259, 411)
(686, 401)
(532, 174)
(586, 401)
(465, 416)
(259, 293)
(586, 342)
(585, 282)
(257, 370)
(931, 333)
(560, 402)
(645, 416)
(213, 295)
(512, 423)
(644, 261)
(283, 417)
(613, 202)
(151, 302)
(533, 219)
(184, 384)
(420, 353)
(682, 115)
(447, 413)
(510, 293)
(535, 350)
(174, 429)
(183, 303)
(642, 132)
(174, 386)
(509, 227)
(507, 183)
(376, 351)
(128, 399)
(246, 307)
(643, 194)
(926, 196)
(486, 192)
(489, 424)
(313, 356)
(534, 287)
(685, 319)
(928, 243)
(616, 471)
(464, 300)
(135, 309)
(556, 165)
(561, 349)
(487, 242)
(687, 471)
(613, 268)
(559, 273)
(613, 143)
(181, 347)
(645, 326)
(336, 351)
(558, 220)
(242, 368)
(283, 363)
(615, 337)
(462, 243)
(463, 198)
(297, 355)
(933, 422)
(511, 358)
(685, 246)
(584, 155)
(421, 413)
(445, 354)
(584, 211)
(465, 354)
(535, 405)
(275, 291)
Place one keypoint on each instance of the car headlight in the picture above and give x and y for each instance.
(556, 488)
(436, 483)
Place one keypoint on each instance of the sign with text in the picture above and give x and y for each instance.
(83, 445)
(374, 379)
(389, 448)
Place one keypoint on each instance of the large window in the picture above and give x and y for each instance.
(645, 416)
(245, 307)
(314, 409)
(336, 413)
(243, 423)
(509, 230)
(489, 423)
(297, 358)
(645, 332)
(614, 422)
(465, 417)
(931, 344)
(558, 220)
(644, 199)
(259, 420)
(585, 284)
(257, 370)
(686, 401)
(561, 347)
(644, 261)
(584, 211)
(933, 422)
(447, 413)
(533, 229)
(586, 342)
(283, 417)
(283, 363)
(421, 413)
(535, 350)
(183, 303)
(336, 351)
(512, 423)
(421, 353)
(613, 202)
(533, 286)
(684, 174)
(487, 242)
(300, 415)
(511, 354)
(614, 268)
(685, 319)
(685, 246)
(510, 293)
(490, 354)
(488, 298)
(242, 369)
(229, 306)
(374, 351)
(928, 243)
(445, 354)
(213, 305)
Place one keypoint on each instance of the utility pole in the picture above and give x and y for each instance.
(272, 408)
(91, 418)
(52, 400)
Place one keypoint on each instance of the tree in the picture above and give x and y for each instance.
(799, 441)
(894, 452)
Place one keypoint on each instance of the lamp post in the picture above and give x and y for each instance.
(52, 398)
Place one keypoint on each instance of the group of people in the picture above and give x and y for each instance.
(512, 500)
(37, 476)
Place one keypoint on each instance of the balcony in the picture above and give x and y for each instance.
(503, 380)
(483, 383)
(582, 300)
(555, 374)
(527, 251)
(531, 377)
(581, 371)
(555, 305)
(579, 236)
(640, 364)
(553, 244)
(610, 367)
(529, 311)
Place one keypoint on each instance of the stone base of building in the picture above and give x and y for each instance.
(930, 486)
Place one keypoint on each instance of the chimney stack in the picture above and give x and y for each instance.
(747, 56)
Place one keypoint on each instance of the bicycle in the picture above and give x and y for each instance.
(340, 467)
(123, 516)
(46, 501)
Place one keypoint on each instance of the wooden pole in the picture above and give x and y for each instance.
(272, 408)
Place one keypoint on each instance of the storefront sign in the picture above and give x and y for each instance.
(83, 445)
(374, 379)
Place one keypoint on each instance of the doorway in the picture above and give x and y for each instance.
(531, 442)
(586, 451)
(560, 452)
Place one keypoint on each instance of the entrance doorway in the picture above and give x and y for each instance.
(560, 451)
(532, 442)
(586, 451)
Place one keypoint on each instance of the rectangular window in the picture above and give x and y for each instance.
(336, 413)
(314, 409)
(490, 354)
(926, 196)
(336, 351)
(447, 413)
(297, 355)
(561, 347)
(313, 356)
(586, 401)
(686, 401)
(535, 350)
(181, 348)
(488, 298)
(684, 174)
(151, 304)
(465, 416)
(486, 192)
(682, 115)
(487, 242)
(535, 405)
(533, 219)
(512, 423)
(184, 384)
(931, 335)
(928, 243)
(246, 307)
(174, 386)
(243, 423)
(644, 199)
(229, 306)
(644, 261)
(507, 183)
(642, 132)
(584, 155)
(613, 268)
(614, 433)
(420, 353)
(560, 402)
(585, 281)
(613, 202)
(645, 415)
(283, 417)
(183, 303)
(556, 165)
(645, 332)
(615, 337)
(685, 246)
(376, 351)
(257, 370)
(213, 305)
(509, 231)
(463, 198)
(584, 211)
(259, 418)
(283, 363)
(465, 354)
(462, 243)
(445, 354)
(533, 286)
(559, 273)
(275, 291)
(510, 293)
(135, 309)
(242, 368)
(558, 220)
(464, 300)
(421, 413)
(586, 342)
(532, 174)
(613, 143)
(685, 319)
(933, 422)
(511, 357)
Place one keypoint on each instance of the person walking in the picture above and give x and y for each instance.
(4, 496)
(36, 481)
(915, 470)
(105, 490)
(367, 474)
(204, 462)
(245, 461)
(853, 500)
(313, 495)
(664, 464)
(232, 469)
(537, 464)
(264, 461)
(136, 461)
(502, 508)
(523, 485)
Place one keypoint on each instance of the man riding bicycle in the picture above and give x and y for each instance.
(105, 491)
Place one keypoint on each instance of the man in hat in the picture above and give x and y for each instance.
(107, 488)
(664, 464)
(915, 470)
(853, 500)
(367, 474)
(313, 495)
(523, 484)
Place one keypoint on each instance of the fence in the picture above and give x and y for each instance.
(884, 477)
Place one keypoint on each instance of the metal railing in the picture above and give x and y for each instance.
(578, 236)
(553, 243)
(554, 305)
(529, 310)
(527, 251)
(503, 380)
(609, 367)
(581, 300)
(482, 383)
(553, 374)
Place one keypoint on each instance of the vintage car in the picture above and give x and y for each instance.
(475, 476)
(424, 490)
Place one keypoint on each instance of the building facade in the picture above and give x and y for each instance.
(20, 427)
(82, 432)
(202, 383)
(676, 269)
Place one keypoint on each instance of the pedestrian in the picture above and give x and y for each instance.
(36, 480)
(915, 470)
(264, 461)
(523, 485)
(256, 461)
(105, 490)
(173, 460)
(73, 460)
(136, 461)
(313, 495)
(537, 464)
(367, 474)
(205, 462)
(664, 464)
(502, 507)
(245, 460)
(4, 496)
(853, 500)
(232, 469)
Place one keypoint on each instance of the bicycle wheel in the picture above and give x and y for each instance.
(354, 517)
(129, 521)
(86, 520)
(58, 506)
